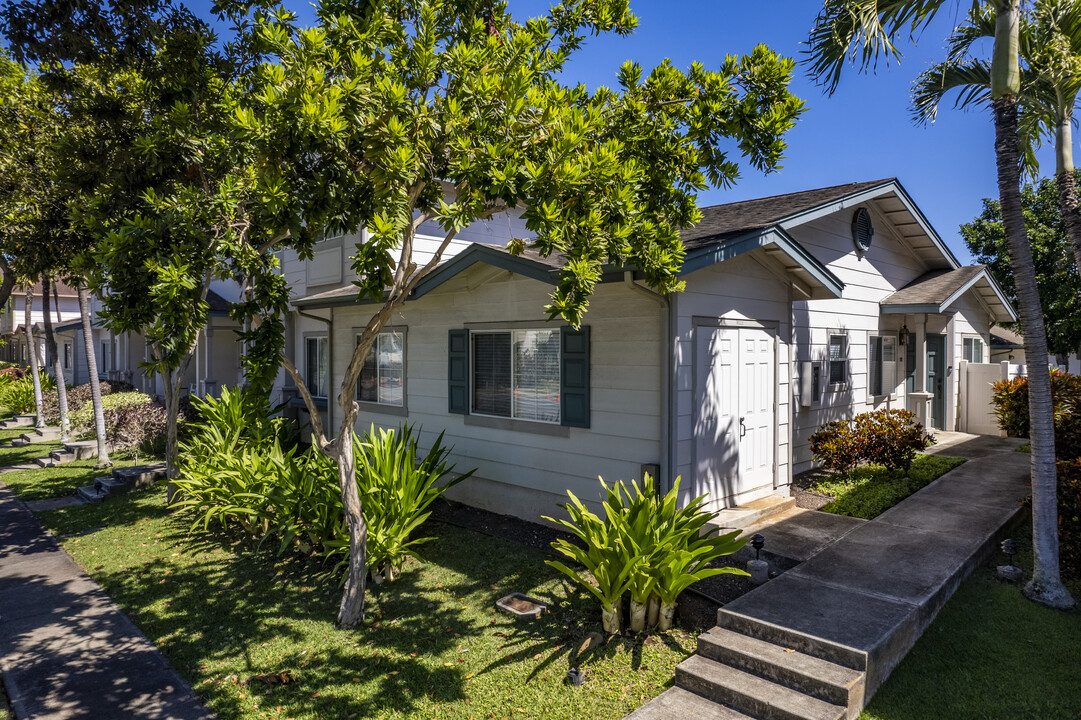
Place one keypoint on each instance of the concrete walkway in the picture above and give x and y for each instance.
(874, 586)
(855, 595)
(66, 650)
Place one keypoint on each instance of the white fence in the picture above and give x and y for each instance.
(975, 413)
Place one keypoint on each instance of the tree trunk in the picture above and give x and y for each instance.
(95, 383)
(7, 285)
(1067, 185)
(58, 369)
(32, 357)
(351, 611)
(1045, 587)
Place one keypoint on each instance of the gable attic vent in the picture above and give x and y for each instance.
(863, 232)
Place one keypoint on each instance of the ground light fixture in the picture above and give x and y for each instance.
(758, 568)
(1009, 572)
(574, 677)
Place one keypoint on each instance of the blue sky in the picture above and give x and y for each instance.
(862, 132)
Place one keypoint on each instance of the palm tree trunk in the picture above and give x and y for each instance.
(95, 384)
(1067, 184)
(58, 370)
(1046, 586)
(32, 357)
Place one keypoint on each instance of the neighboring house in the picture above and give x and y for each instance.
(1006, 345)
(785, 324)
(64, 306)
(216, 362)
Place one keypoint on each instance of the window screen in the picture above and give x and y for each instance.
(382, 378)
(838, 361)
(972, 350)
(317, 368)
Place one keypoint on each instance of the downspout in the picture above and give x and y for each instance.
(330, 361)
(665, 482)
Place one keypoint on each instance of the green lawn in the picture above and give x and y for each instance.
(870, 490)
(990, 654)
(433, 645)
(63, 480)
(23, 455)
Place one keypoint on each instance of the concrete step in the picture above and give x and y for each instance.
(751, 694)
(82, 449)
(63, 456)
(675, 702)
(786, 637)
(90, 494)
(744, 516)
(138, 477)
(46, 462)
(18, 421)
(19, 442)
(48, 434)
(813, 676)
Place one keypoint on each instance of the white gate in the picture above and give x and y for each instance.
(975, 414)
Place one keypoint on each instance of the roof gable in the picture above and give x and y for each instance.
(936, 291)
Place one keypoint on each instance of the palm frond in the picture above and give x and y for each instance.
(971, 79)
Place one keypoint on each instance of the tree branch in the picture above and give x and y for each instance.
(309, 403)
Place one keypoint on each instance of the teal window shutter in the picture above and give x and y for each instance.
(574, 377)
(458, 372)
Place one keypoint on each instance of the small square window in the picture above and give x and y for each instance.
(972, 350)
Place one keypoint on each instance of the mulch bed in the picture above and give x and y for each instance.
(800, 489)
(698, 606)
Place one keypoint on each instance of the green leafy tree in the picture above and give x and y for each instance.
(395, 114)
(864, 30)
(1056, 273)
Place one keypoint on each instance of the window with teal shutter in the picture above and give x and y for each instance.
(458, 372)
(574, 377)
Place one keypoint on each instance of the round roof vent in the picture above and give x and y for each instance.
(863, 232)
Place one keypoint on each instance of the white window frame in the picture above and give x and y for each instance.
(107, 360)
(843, 360)
(316, 337)
(375, 349)
(327, 233)
(67, 356)
(887, 380)
(967, 352)
(473, 375)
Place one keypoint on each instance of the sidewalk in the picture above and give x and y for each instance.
(66, 650)
(876, 586)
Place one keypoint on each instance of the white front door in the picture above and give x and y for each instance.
(735, 386)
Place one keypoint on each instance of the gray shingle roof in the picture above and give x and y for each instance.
(933, 288)
(721, 222)
(1003, 338)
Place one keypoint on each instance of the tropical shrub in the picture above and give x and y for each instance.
(83, 419)
(1069, 517)
(890, 438)
(647, 545)
(18, 394)
(1010, 400)
(395, 492)
(235, 471)
(140, 428)
(11, 372)
(78, 396)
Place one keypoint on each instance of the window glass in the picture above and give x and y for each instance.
(492, 374)
(382, 377)
(838, 370)
(317, 370)
(516, 374)
(972, 350)
(536, 375)
(67, 356)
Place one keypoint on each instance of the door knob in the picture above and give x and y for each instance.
(742, 429)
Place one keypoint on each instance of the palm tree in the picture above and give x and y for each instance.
(58, 370)
(32, 356)
(864, 30)
(1050, 45)
(92, 370)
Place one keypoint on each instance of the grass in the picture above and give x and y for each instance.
(22, 455)
(432, 647)
(989, 654)
(63, 480)
(1026, 448)
(870, 490)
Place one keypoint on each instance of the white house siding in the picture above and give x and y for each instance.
(527, 470)
(868, 278)
(741, 289)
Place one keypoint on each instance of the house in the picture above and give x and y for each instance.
(216, 362)
(64, 307)
(798, 309)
